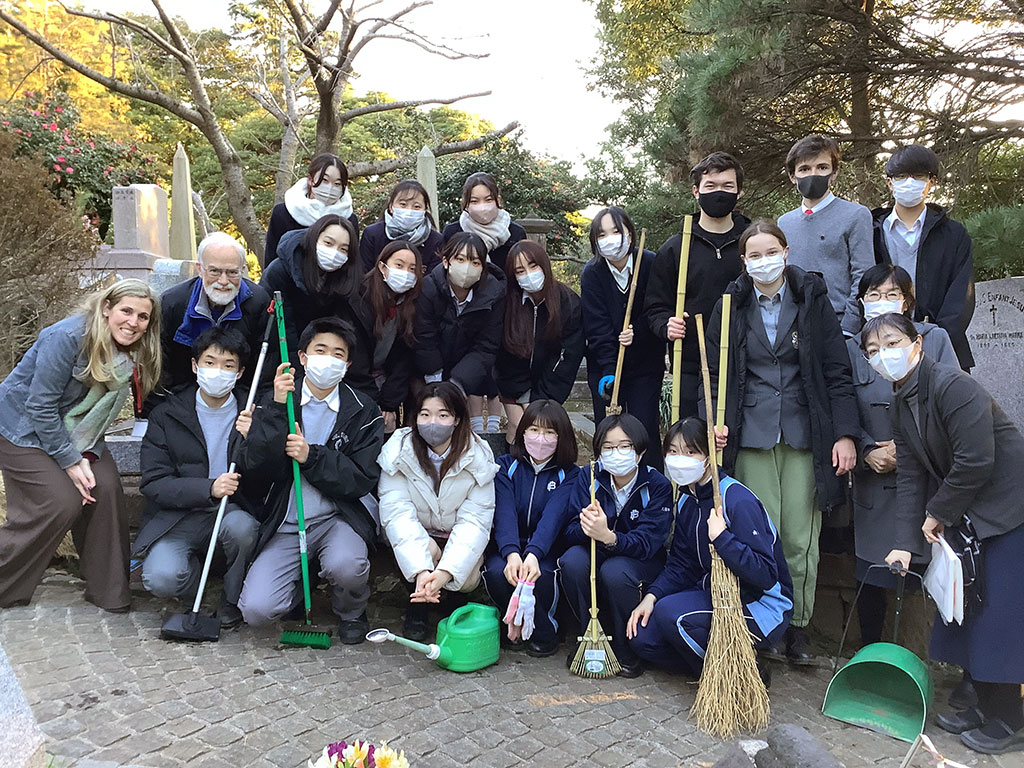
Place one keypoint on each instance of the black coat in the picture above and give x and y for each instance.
(399, 365)
(177, 352)
(944, 283)
(499, 254)
(282, 222)
(301, 308)
(175, 471)
(708, 272)
(463, 347)
(604, 309)
(825, 370)
(344, 470)
(965, 457)
(375, 239)
(549, 372)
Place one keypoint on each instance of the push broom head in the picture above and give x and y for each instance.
(308, 637)
(594, 657)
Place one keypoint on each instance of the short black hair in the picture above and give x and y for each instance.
(876, 325)
(227, 339)
(550, 414)
(714, 163)
(631, 425)
(812, 146)
(693, 431)
(881, 274)
(912, 160)
(343, 329)
(622, 222)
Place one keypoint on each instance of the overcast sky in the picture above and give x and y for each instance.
(538, 49)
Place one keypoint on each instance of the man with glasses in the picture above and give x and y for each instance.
(220, 296)
(934, 249)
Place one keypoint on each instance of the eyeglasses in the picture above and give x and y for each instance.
(619, 447)
(216, 272)
(894, 295)
(894, 343)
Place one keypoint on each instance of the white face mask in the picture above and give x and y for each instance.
(613, 247)
(893, 364)
(619, 461)
(407, 219)
(330, 259)
(908, 192)
(531, 282)
(873, 309)
(464, 275)
(399, 280)
(767, 269)
(685, 470)
(216, 382)
(328, 193)
(325, 371)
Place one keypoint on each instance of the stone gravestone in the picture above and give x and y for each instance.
(996, 335)
(141, 233)
(21, 741)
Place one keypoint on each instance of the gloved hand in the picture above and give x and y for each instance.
(527, 607)
(510, 614)
(604, 386)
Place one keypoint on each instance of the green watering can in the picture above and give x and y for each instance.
(884, 687)
(467, 640)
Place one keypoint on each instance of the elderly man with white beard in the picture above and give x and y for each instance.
(221, 296)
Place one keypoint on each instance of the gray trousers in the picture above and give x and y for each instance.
(175, 560)
(273, 586)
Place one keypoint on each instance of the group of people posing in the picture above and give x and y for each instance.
(847, 366)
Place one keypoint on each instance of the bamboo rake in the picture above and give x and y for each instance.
(677, 345)
(731, 695)
(723, 363)
(614, 408)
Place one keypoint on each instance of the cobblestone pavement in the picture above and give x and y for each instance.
(107, 691)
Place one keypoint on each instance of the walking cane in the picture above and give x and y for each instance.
(614, 408)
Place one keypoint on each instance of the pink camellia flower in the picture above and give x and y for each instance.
(92, 145)
(56, 166)
(35, 112)
(59, 110)
(17, 130)
(77, 149)
(7, 122)
(69, 169)
(61, 158)
(28, 133)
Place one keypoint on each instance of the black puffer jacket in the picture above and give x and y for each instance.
(399, 365)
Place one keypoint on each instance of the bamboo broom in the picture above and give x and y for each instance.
(614, 408)
(731, 696)
(677, 345)
(594, 657)
(723, 364)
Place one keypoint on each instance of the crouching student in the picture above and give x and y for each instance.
(192, 437)
(671, 625)
(339, 434)
(437, 501)
(530, 493)
(630, 521)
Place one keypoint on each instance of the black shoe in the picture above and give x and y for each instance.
(539, 651)
(959, 722)
(510, 645)
(573, 649)
(297, 613)
(994, 738)
(963, 696)
(630, 669)
(775, 652)
(764, 669)
(416, 626)
(229, 615)
(353, 631)
(798, 647)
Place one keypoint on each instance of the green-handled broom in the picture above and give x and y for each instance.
(305, 635)
(594, 657)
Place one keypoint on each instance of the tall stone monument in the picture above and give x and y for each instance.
(996, 335)
(140, 233)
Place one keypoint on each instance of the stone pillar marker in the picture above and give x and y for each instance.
(537, 229)
(426, 174)
(183, 223)
(140, 234)
(996, 336)
(21, 741)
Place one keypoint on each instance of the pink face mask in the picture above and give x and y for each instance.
(540, 447)
(483, 213)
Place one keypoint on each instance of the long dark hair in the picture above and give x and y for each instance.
(384, 301)
(482, 178)
(341, 282)
(455, 402)
(318, 169)
(622, 222)
(549, 414)
(411, 185)
(461, 240)
(519, 338)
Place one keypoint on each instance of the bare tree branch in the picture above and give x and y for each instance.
(387, 106)
(142, 29)
(431, 48)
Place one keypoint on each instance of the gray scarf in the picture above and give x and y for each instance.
(494, 234)
(87, 422)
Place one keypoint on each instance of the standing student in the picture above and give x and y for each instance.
(193, 437)
(714, 263)
(484, 215)
(542, 345)
(323, 192)
(55, 407)
(387, 313)
(530, 496)
(460, 321)
(604, 293)
(437, 501)
(935, 250)
(318, 274)
(339, 433)
(630, 522)
(406, 218)
(791, 412)
(827, 234)
(671, 625)
(883, 289)
(959, 462)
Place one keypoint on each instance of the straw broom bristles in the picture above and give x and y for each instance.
(594, 657)
(731, 696)
(614, 408)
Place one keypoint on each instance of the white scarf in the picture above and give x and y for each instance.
(494, 234)
(416, 236)
(306, 210)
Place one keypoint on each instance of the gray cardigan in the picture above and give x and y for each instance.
(38, 393)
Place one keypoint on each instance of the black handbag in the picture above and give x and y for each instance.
(966, 544)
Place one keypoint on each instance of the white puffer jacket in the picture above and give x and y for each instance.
(410, 510)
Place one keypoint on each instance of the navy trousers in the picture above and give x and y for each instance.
(545, 590)
(639, 396)
(620, 585)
